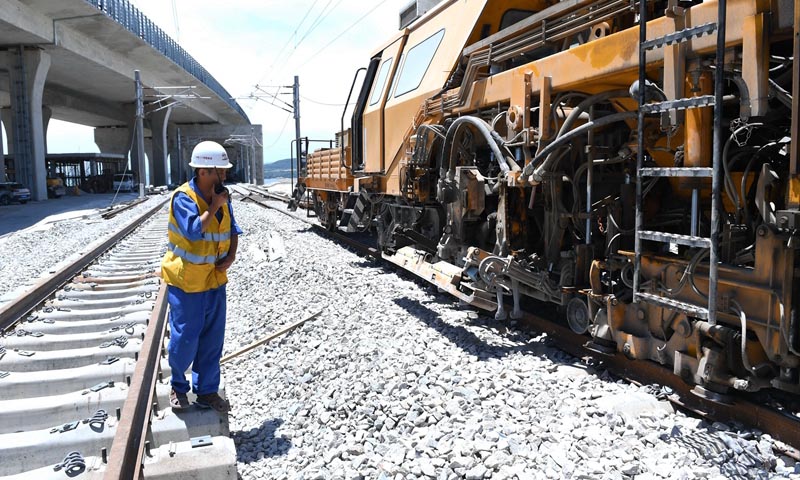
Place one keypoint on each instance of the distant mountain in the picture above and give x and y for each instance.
(279, 169)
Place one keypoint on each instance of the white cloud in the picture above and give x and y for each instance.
(238, 42)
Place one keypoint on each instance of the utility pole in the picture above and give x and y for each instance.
(254, 168)
(180, 161)
(140, 130)
(296, 95)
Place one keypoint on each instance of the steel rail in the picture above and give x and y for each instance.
(125, 458)
(350, 242)
(113, 213)
(11, 312)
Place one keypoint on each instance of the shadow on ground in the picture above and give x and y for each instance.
(251, 442)
(460, 336)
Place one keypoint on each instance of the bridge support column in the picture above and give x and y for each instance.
(120, 140)
(27, 74)
(243, 143)
(114, 140)
(5, 117)
(159, 121)
(47, 112)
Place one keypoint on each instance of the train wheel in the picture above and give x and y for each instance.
(326, 207)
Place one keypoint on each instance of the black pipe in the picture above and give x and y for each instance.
(600, 122)
(484, 129)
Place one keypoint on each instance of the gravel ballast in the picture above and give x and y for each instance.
(394, 380)
(27, 255)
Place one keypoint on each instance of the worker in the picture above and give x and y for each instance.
(203, 237)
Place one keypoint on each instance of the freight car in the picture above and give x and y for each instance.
(634, 163)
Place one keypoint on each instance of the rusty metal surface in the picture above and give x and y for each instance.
(14, 310)
(125, 458)
(794, 163)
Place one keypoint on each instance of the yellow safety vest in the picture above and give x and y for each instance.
(189, 264)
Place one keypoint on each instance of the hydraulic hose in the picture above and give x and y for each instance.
(588, 102)
(485, 130)
(730, 189)
(539, 171)
(743, 320)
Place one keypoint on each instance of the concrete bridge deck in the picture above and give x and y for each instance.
(74, 60)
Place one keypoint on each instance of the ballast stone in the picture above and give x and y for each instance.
(395, 366)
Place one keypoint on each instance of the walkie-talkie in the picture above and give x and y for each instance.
(218, 187)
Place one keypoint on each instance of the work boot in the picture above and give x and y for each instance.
(213, 400)
(178, 401)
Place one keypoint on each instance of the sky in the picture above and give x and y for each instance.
(244, 43)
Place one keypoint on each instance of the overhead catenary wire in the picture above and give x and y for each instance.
(324, 104)
(324, 13)
(320, 18)
(337, 37)
(175, 20)
(283, 129)
(288, 41)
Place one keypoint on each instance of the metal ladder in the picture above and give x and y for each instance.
(708, 312)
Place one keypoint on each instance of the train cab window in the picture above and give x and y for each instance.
(513, 16)
(383, 73)
(417, 62)
(397, 72)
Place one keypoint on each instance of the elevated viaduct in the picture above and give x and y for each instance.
(74, 60)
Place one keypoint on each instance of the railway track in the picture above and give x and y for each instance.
(772, 416)
(84, 375)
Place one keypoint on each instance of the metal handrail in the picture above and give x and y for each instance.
(124, 13)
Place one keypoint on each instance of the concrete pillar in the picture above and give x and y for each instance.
(2, 159)
(114, 140)
(120, 139)
(47, 112)
(148, 160)
(192, 134)
(174, 161)
(5, 115)
(159, 120)
(27, 74)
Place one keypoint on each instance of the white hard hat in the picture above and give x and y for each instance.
(209, 155)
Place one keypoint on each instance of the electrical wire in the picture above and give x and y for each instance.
(288, 41)
(277, 139)
(326, 104)
(337, 37)
(175, 19)
(320, 18)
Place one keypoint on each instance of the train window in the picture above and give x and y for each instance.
(418, 60)
(397, 72)
(381, 81)
(513, 16)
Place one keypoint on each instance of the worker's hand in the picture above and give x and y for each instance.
(218, 199)
(225, 263)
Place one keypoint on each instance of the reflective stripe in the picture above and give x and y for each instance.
(190, 257)
(217, 237)
(209, 237)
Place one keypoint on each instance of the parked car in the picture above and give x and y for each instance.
(55, 187)
(123, 182)
(13, 192)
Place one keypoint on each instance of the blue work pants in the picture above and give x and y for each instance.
(197, 332)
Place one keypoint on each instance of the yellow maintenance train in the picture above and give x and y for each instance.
(634, 162)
